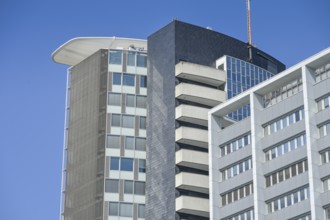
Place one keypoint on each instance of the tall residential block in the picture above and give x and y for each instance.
(190, 70)
(274, 164)
(105, 129)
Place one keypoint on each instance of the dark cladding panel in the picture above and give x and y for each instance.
(160, 185)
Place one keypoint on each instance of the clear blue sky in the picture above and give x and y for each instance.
(32, 87)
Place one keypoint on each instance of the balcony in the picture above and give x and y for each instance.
(192, 205)
(191, 114)
(192, 136)
(190, 158)
(199, 73)
(199, 94)
(192, 182)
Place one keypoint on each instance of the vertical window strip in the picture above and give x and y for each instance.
(235, 145)
(323, 103)
(284, 122)
(237, 194)
(324, 129)
(325, 156)
(237, 169)
(285, 147)
(288, 200)
(286, 173)
(245, 215)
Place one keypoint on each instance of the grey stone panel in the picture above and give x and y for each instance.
(281, 108)
(232, 208)
(121, 190)
(322, 116)
(110, 81)
(122, 146)
(237, 129)
(284, 134)
(321, 88)
(136, 169)
(124, 61)
(123, 103)
(235, 182)
(137, 125)
(135, 211)
(87, 108)
(325, 198)
(137, 85)
(324, 170)
(286, 186)
(284, 160)
(235, 156)
(323, 143)
(291, 211)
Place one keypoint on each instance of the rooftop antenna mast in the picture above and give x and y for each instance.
(249, 45)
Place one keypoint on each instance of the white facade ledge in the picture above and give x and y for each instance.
(192, 205)
(192, 182)
(191, 114)
(190, 158)
(192, 136)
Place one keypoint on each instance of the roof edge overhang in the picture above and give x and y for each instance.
(77, 49)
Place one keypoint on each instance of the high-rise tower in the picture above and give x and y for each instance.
(105, 128)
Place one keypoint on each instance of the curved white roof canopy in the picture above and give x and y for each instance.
(77, 49)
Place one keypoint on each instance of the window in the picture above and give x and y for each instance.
(115, 57)
(115, 120)
(323, 103)
(129, 143)
(140, 144)
(128, 79)
(128, 187)
(114, 163)
(130, 58)
(141, 208)
(290, 198)
(285, 147)
(116, 78)
(113, 209)
(113, 141)
(325, 155)
(139, 188)
(111, 186)
(130, 100)
(142, 122)
(327, 213)
(126, 164)
(326, 184)
(141, 60)
(126, 210)
(142, 166)
(141, 101)
(143, 82)
(283, 122)
(237, 194)
(287, 173)
(114, 99)
(235, 145)
(128, 121)
(234, 170)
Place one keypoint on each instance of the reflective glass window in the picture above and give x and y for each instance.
(128, 187)
(140, 144)
(142, 166)
(141, 101)
(126, 209)
(126, 164)
(142, 122)
(113, 209)
(116, 78)
(141, 208)
(114, 99)
(139, 188)
(113, 141)
(128, 79)
(115, 57)
(143, 81)
(111, 186)
(114, 163)
(141, 60)
(130, 58)
(128, 121)
(129, 143)
(130, 100)
(115, 120)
